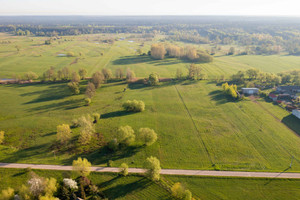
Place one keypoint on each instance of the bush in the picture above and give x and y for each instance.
(124, 169)
(153, 79)
(96, 117)
(147, 136)
(134, 106)
(125, 135)
(87, 101)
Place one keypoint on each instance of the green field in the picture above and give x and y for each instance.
(137, 187)
(197, 126)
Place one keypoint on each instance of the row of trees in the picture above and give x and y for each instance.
(160, 50)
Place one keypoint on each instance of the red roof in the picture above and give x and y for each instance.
(272, 95)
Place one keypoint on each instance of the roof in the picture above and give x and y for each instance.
(272, 95)
(249, 88)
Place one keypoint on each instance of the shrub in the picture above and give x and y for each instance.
(110, 163)
(153, 168)
(96, 117)
(124, 169)
(87, 101)
(153, 79)
(74, 87)
(134, 106)
(125, 135)
(63, 134)
(147, 136)
(82, 166)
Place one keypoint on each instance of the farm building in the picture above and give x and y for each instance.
(273, 96)
(250, 91)
(296, 112)
(290, 89)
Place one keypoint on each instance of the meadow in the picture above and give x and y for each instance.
(197, 126)
(138, 187)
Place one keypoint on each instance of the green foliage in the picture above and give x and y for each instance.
(63, 134)
(7, 194)
(134, 106)
(153, 79)
(125, 135)
(87, 101)
(124, 169)
(153, 168)
(179, 192)
(82, 167)
(96, 117)
(74, 87)
(147, 136)
(230, 90)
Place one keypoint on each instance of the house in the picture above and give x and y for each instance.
(273, 96)
(284, 97)
(289, 89)
(250, 91)
(296, 112)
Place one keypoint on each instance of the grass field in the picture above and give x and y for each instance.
(137, 187)
(37, 57)
(198, 128)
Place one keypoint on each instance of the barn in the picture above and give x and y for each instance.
(296, 112)
(250, 91)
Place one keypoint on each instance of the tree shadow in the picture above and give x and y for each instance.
(271, 179)
(116, 114)
(292, 122)
(128, 60)
(219, 97)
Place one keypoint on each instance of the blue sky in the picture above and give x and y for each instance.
(150, 7)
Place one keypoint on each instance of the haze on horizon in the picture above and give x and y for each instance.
(154, 7)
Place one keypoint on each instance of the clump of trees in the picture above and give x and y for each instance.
(152, 165)
(134, 106)
(179, 192)
(158, 51)
(153, 79)
(230, 90)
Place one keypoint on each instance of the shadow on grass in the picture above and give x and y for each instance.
(292, 122)
(121, 189)
(219, 97)
(127, 60)
(116, 114)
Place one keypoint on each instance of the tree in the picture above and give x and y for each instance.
(179, 74)
(107, 73)
(82, 73)
(96, 117)
(75, 77)
(231, 51)
(124, 169)
(194, 71)
(82, 166)
(70, 183)
(7, 194)
(66, 73)
(130, 75)
(158, 51)
(125, 135)
(1, 137)
(147, 136)
(134, 106)
(63, 134)
(153, 79)
(119, 73)
(51, 186)
(97, 79)
(87, 129)
(87, 101)
(36, 185)
(180, 192)
(74, 87)
(153, 168)
(30, 76)
(90, 90)
(113, 144)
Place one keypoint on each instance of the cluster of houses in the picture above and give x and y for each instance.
(283, 94)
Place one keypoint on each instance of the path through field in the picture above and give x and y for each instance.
(163, 171)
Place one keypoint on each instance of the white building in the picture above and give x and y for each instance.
(250, 91)
(296, 112)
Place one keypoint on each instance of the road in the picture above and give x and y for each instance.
(163, 171)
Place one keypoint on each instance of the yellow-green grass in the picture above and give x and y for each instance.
(208, 188)
(197, 126)
(111, 185)
(37, 57)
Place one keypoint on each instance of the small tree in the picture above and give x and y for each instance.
(87, 129)
(36, 185)
(153, 168)
(134, 106)
(82, 167)
(75, 77)
(130, 75)
(7, 194)
(119, 73)
(87, 101)
(63, 134)
(153, 79)
(82, 73)
(147, 136)
(74, 87)
(30, 76)
(96, 117)
(97, 79)
(125, 135)
(231, 51)
(1, 137)
(124, 169)
(179, 74)
(90, 90)
(107, 73)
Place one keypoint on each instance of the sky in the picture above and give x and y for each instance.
(151, 7)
